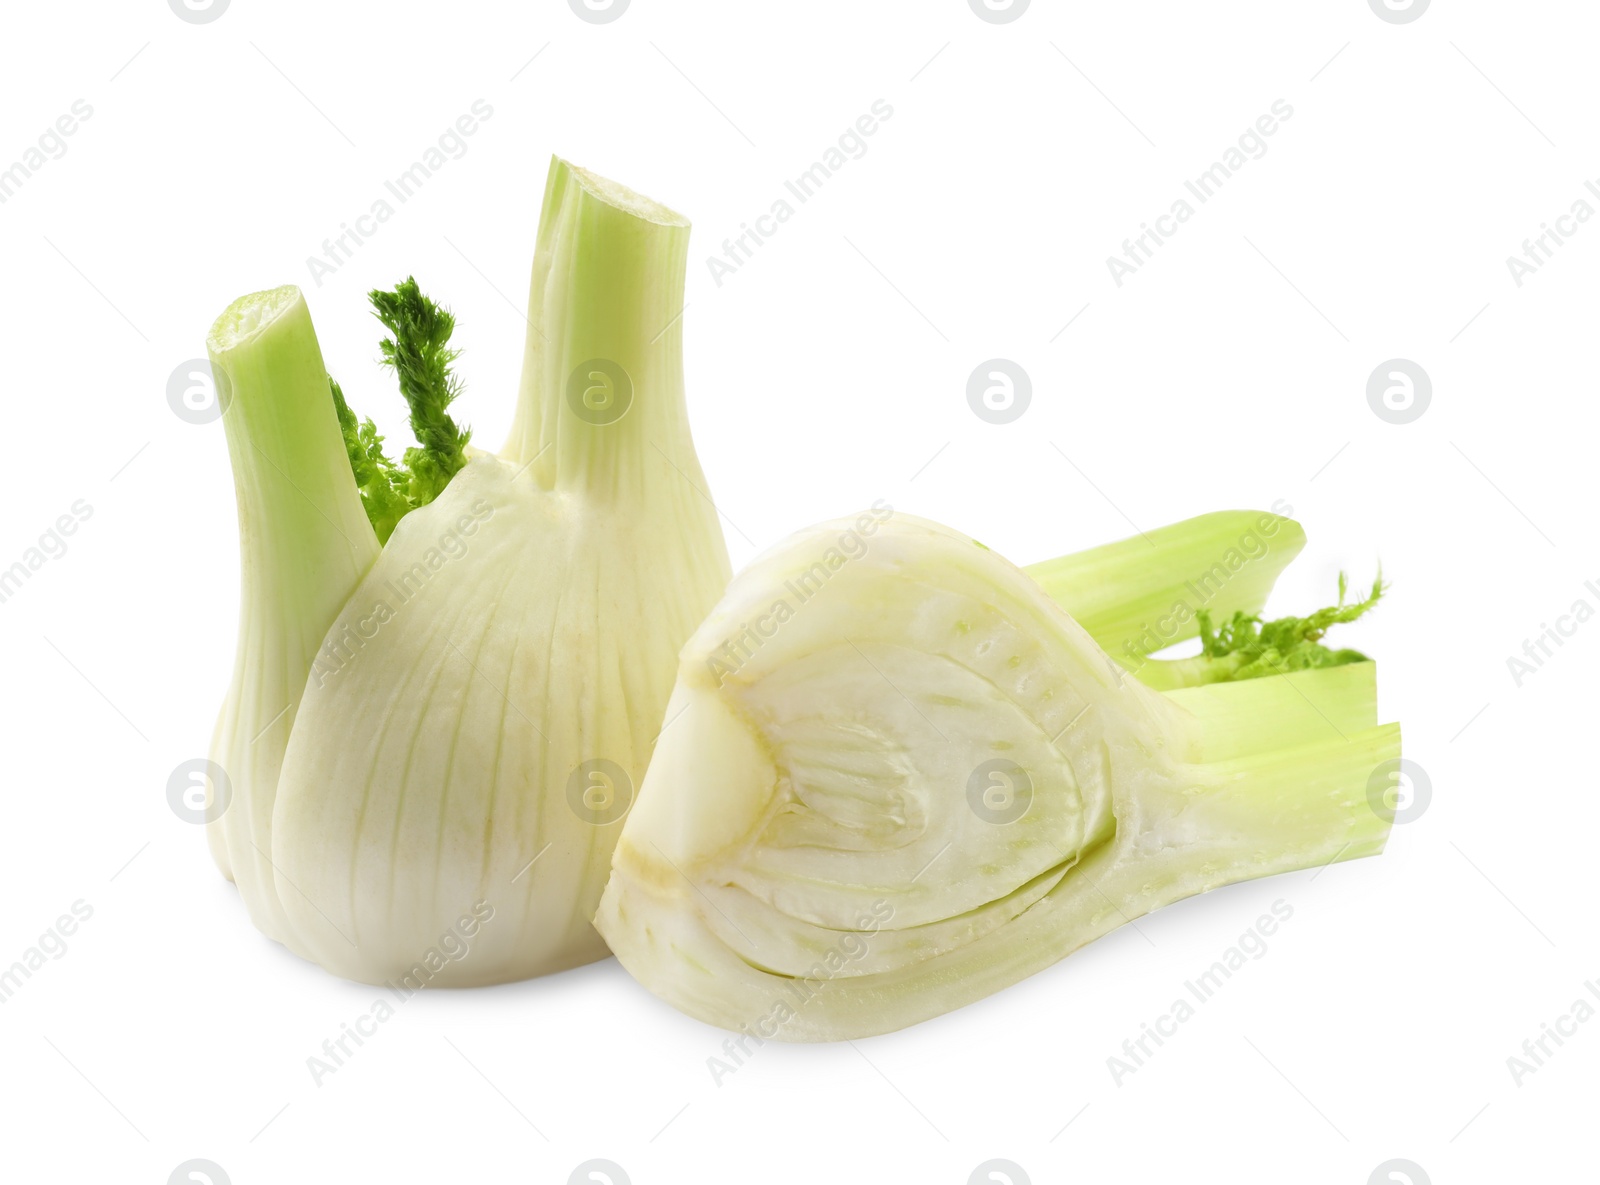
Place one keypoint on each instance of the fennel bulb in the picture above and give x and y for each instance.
(901, 781)
(450, 674)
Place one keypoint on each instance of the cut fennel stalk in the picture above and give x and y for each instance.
(897, 784)
(415, 730)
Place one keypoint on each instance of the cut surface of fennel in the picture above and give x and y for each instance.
(410, 729)
(924, 780)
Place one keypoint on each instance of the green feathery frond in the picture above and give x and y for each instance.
(420, 355)
(1245, 647)
(382, 485)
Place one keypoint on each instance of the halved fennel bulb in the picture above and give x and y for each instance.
(896, 776)
(453, 725)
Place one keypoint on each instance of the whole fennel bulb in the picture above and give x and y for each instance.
(461, 715)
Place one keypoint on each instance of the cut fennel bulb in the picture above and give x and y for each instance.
(455, 723)
(898, 782)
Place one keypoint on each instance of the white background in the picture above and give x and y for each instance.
(830, 371)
